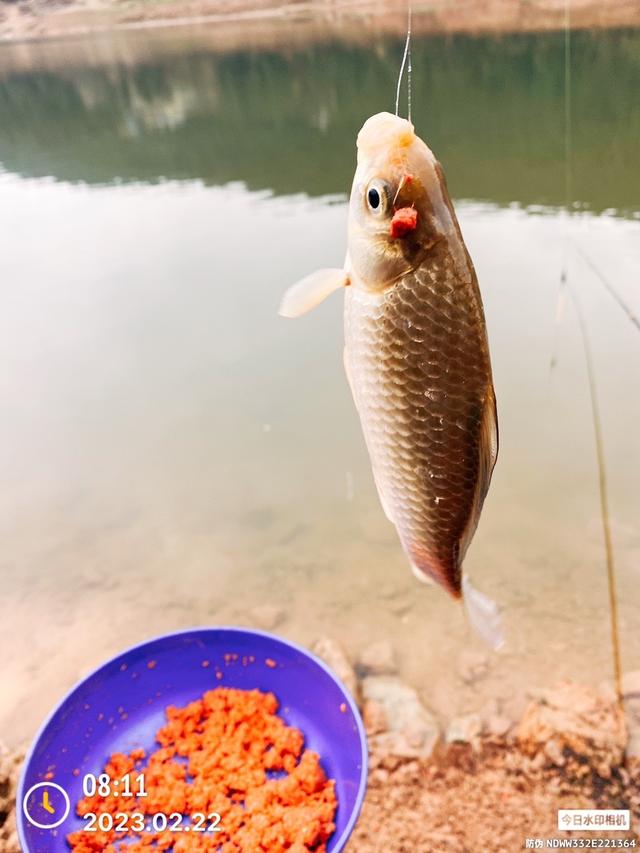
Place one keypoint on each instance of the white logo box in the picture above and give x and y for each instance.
(594, 820)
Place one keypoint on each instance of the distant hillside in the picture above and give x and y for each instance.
(29, 19)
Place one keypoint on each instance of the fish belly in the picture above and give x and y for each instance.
(419, 368)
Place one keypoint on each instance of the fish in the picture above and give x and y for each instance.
(416, 356)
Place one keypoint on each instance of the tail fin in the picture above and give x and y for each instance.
(483, 614)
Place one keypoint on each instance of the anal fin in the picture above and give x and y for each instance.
(483, 614)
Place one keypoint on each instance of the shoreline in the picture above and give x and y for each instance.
(231, 24)
(430, 787)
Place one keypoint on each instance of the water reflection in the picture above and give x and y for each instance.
(492, 109)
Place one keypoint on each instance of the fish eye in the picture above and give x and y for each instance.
(376, 197)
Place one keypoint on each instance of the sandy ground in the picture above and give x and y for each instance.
(491, 800)
(493, 786)
(267, 22)
(483, 790)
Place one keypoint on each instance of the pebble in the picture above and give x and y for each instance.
(553, 751)
(538, 761)
(335, 657)
(379, 658)
(374, 717)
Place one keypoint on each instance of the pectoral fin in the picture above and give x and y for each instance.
(311, 291)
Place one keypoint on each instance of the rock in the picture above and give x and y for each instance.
(464, 729)
(334, 656)
(267, 616)
(583, 719)
(412, 731)
(379, 659)
(498, 725)
(472, 666)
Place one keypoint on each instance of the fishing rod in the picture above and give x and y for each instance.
(564, 285)
(604, 498)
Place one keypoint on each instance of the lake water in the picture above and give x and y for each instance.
(173, 453)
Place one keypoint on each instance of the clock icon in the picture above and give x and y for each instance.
(46, 805)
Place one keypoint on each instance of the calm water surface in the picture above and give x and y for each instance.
(173, 453)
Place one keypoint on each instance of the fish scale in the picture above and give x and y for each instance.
(419, 368)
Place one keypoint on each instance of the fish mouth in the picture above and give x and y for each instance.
(404, 221)
(405, 216)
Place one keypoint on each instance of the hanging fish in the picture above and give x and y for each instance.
(416, 356)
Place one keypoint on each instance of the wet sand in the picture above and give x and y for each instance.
(269, 23)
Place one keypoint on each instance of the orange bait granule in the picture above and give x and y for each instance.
(214, 756)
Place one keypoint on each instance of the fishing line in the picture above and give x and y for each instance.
(631, 316)
(568, 147)
(568, 189)
(409, 69)
(406, 58)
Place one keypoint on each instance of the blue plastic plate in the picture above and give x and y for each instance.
(121, 705)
